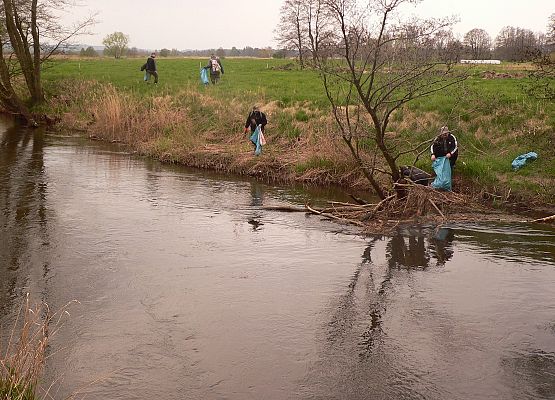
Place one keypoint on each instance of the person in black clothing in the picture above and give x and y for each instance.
(151, 68)
(255, 118)
(215, 67)
(445, 145)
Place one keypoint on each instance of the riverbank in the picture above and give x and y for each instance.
(183, 122)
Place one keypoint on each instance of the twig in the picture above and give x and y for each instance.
(545, 219)
(437, 209)
(375, 209)
(358, 199)
(351, 204)
(350, 221)
(284, 208)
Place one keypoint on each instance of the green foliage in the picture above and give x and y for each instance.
(115, 44)
(316, 162)
(285, 127)
(301, 116)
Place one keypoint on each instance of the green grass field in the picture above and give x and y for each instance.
(494, 119)
(259, 79)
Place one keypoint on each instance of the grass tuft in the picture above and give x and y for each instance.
(22, 357)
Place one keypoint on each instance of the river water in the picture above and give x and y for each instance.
(189, 289)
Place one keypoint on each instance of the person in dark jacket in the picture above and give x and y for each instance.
(445, 145)
(151, 68)
(216, 68)
(255, 118)
(416, 175)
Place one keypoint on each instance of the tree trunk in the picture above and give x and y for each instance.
(30, 64)
(8, 97)
(38, 94)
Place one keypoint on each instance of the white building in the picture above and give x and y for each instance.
(480, 62)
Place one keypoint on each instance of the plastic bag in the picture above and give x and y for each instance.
(523, 159)
(262, 138)
(442, 168)
(256, 139)
(204, 76)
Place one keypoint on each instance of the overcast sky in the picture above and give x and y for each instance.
(188, 24)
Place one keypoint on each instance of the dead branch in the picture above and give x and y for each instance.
(350, 221)
(437, 209)
(284, 208)
(545, 219)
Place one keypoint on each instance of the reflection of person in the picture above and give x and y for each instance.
(151, 68)
(445, 145)
(442, 240)
(215, 67)
(257, 198)
(257, 194)
(255, 223)
(415, 256)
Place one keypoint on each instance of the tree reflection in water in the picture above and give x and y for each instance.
(369, 289)
(22, 209)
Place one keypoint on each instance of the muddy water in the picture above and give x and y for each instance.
(189, 289)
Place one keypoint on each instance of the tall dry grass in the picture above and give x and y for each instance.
(23, 351)
(120, 116)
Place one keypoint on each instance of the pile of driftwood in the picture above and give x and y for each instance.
(409, 203)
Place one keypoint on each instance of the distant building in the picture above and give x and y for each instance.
(480, 62)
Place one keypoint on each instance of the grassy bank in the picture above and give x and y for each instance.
(179, 120)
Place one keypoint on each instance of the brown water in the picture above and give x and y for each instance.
(189, 289)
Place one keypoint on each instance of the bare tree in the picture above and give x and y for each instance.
(478, 42)
(542, 82)
(515, 44)
(31, 33)
(291, 30)
(551, 32)
(372, 68)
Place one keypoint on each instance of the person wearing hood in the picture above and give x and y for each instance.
(151, 68)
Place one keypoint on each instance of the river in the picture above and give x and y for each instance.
(188, 288)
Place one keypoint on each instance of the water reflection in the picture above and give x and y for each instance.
(23, 211)
(385, 332)
(161, 259)
(534, 371)
(257, 200)
(442, 244)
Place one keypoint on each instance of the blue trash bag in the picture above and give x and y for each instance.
(255, 138)
(442, 168)
(204, 76)
(523, 159)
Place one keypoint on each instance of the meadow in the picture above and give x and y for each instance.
(180, 120)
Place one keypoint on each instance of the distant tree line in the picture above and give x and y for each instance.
(132, 52)
(300, 31)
